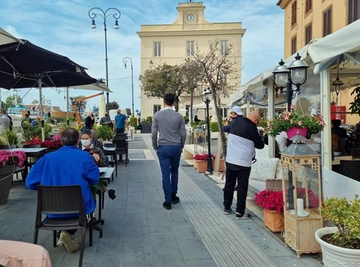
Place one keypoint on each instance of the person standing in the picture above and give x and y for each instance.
(120, 122)
(170, 126)
(235, 113)
(89, 121)
(69, 165)
(243, 138)
(106, 121)
(5, 122)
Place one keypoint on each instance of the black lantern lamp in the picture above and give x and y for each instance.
(207, 97)
(337, 84)
(295, 74)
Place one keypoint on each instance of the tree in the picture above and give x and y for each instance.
(176, 79)
(80, 105)
(10, 101)
(221, 73)
(128, 111)
(113, 105)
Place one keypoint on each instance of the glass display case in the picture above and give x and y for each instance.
(301, 185)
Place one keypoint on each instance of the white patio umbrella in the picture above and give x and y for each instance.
(102, 107)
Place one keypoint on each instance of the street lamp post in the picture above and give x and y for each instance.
(112, 11)
(295, 74)
(125, 60)
(207, 97)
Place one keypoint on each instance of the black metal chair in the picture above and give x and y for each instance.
(62, 200)
(350, 168)
(120, 140)
(112, 161)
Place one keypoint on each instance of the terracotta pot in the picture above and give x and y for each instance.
(293, 131)
(6, 177)
(201, 165)
(274, 220)
(221, 165)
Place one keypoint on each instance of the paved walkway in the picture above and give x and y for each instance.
(138, 231)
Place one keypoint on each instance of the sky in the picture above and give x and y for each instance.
(63, 26)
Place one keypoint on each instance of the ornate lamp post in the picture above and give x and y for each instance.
(295, 74)
(125, 60)
(207, 97)
(112, 11)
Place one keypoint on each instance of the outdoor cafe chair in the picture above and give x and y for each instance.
(61, 200)
(121, 143)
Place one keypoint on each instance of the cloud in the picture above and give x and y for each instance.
(63, 26)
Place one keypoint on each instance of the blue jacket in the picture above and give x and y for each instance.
(69, 165)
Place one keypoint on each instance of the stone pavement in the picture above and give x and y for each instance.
(138, 231)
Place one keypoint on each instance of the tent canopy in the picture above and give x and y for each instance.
(324, 52)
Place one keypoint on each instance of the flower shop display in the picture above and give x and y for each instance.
(340, 244)
(288, 120)
(9, 160)
(272, 204)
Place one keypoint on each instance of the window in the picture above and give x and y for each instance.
(293, 45)
(353, 10)
(293, 13)
(190, 48)
(327, 22)
(157, 108)
(223, 47)
(308, 33)
(157, 49)
(308, 6)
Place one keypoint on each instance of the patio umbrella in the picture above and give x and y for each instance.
(7, 38)
(25, 65)
(102, 107)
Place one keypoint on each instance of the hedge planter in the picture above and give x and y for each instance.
(334, 256)
(6, 178)
(145, 128)
(274, 220)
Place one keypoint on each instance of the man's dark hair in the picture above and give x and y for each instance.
(70, 136)
(336, 123)
(169, 99)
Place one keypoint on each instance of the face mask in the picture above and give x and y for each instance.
(85, 142)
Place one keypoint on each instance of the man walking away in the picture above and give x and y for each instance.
(243, 138)
(171, 128)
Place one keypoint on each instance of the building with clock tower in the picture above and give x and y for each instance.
(173, 43)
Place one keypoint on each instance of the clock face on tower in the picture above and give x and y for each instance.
(190, 17)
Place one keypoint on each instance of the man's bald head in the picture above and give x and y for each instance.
(254, 116)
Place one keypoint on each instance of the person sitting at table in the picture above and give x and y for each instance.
(67, 166)
(99, 157)
(338, 138)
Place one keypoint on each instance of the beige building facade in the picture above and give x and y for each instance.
(173, 43)
(305, 20)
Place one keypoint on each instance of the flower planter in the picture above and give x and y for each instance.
(145, 128)
(293, 131)
(334, 256)
(6, 177)
(201, 165)
(221, 165)
(274, 220)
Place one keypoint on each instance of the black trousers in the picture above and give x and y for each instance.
(243, 174)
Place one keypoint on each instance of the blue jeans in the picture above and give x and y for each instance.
(169, 158)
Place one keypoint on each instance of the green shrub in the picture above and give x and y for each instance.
(133, 122)
(186, 119)
(149, 119)
(214, 126)
(263, 123)
(103, 132)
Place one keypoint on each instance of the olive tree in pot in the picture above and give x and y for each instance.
(340, 245)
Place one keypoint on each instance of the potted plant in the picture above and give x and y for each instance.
(9, 160)
(104, 132)
(340, 245)
(201, 161)
(145, 126)
(291, 122)
(273, 205)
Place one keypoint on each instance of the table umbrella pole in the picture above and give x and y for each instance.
(67, 106)
(41, 110)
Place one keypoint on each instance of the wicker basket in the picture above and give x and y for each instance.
(274, 184)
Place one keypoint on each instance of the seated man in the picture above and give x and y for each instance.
(69, 165)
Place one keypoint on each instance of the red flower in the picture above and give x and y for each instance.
(203, 156)
(270, 200)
